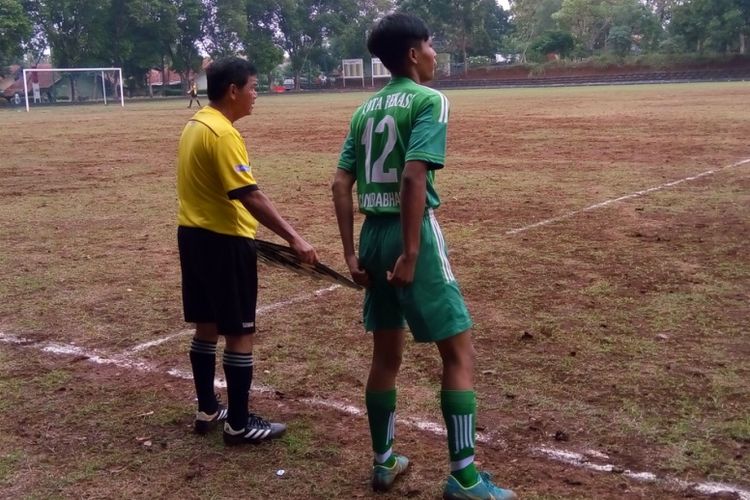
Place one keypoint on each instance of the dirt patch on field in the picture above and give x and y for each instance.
(599, 236)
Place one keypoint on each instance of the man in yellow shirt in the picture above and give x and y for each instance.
(220, 207)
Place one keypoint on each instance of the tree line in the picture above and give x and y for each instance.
(140, 35)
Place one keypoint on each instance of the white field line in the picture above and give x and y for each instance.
(76, 351)
(623, 198)
(260, 310)
(564, 456)
(579, 460)
(317, 293)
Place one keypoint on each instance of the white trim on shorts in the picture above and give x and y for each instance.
(445, 266)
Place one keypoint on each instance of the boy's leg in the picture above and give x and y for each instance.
(380, 400)
(380, 395)
(458, 404)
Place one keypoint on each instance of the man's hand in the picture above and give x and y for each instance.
(359, 275)
(304, 251)
(403, 272)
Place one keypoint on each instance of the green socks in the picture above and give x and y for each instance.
(460, 414)
(381, 414)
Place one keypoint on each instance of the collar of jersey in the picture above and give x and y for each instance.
(213, 111)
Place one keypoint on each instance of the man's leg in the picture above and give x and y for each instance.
(203, 363)
(238, 370)
(458, 403)
(242, 426)
(380, 400)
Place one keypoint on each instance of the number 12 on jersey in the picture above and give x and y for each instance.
(375, 172)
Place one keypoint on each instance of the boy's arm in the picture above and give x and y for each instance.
(261, 207)
(413, 198)
(342, 201)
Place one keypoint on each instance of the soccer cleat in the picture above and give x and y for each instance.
(257, 430)
(484, 489)
(205, 422)
(383, 477)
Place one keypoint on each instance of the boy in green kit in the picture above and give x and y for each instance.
(395, 143)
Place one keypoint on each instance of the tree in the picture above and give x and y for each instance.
(662, 9)
(225, 25)
(712, 25)
(74, 31)
(531, 18)
(350, 41)
(15, 32)
(131, 42)
(590, 22)
(258, 40)
(552, 42)
(301, 27)
(620, 40)
(243, 28)
(184, 50)
(461, 26)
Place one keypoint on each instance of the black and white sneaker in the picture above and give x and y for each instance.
(257, 430)
(205, 422)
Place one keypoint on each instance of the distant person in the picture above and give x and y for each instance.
(193, 93)
(396, 142)
(220, 208)
(16, 99)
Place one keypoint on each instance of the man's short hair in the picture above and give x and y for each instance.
(393, 36)
(222, 73)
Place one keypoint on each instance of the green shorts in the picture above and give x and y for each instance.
(432, 305)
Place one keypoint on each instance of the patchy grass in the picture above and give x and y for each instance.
(635, 312)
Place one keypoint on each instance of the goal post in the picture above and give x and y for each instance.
(35, 86)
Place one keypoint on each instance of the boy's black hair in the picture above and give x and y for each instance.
(222, 73)
(393, 36)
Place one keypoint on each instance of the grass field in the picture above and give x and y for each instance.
(600, 236)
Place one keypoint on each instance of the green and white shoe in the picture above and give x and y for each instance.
(383, 477)
(484, 489)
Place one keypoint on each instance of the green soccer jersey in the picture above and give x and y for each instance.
(402, 122)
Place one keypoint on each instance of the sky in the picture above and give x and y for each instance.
(504, 4)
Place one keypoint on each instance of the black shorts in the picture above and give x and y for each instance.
(219, 279)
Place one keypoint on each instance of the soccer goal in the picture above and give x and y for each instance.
(74, 85)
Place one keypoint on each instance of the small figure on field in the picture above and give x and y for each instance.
(220, 207)
(396, 142)
(193, 93)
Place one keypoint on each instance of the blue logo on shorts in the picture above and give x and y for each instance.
(242, 168)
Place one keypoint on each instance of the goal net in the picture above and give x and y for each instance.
(72, 85)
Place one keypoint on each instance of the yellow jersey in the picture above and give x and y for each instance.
(213, 169)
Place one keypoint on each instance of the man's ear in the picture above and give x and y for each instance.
(413, 55)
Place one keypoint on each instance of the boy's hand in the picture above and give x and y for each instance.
(403, 271)
(359, 275)
(304, 251)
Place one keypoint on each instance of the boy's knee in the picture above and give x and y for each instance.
(388, 363)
